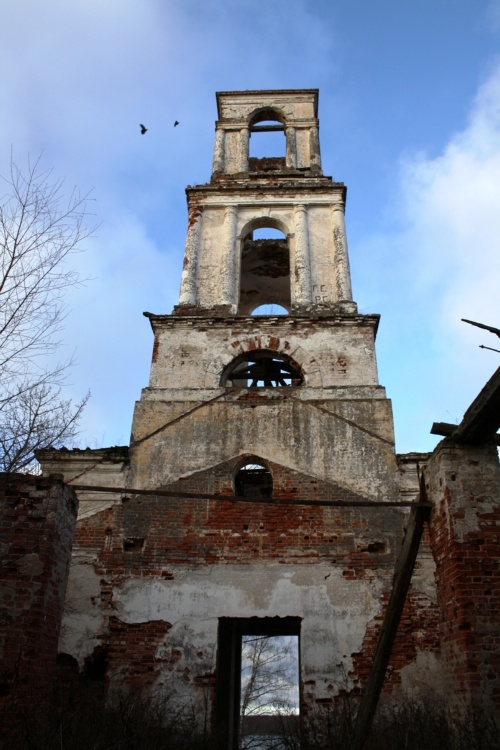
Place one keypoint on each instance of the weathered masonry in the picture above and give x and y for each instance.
(261, 492)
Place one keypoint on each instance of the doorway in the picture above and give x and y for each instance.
(257, 688)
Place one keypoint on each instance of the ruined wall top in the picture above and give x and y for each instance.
(241, 113)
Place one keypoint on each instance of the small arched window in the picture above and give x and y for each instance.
(262, 369)
(253, 479)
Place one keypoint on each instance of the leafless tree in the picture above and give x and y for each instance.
(40, 227)
(268, 683)
(268, 673)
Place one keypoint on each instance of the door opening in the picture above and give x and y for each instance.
(257, 692)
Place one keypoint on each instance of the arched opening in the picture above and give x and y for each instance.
(270, 308)
(253, 479)
(267, 148)
(262, 369)
(265, 267)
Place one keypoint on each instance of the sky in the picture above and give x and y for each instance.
(409, 108)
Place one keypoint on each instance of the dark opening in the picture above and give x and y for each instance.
(253, 479)
(133, 544)
(262, 369)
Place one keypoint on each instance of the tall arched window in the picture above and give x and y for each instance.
(267, 148)
(265, 267)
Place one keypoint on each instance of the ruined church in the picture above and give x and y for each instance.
(261, 492)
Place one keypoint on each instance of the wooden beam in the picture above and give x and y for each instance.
(128, 491)
(401, 583)
(448, 430)
(266, 128)
(481, 421)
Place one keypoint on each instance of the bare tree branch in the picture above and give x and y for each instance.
(40, 227)
(267, 673)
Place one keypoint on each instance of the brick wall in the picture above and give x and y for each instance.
(162, 539)
(464, 484)
(37, 520)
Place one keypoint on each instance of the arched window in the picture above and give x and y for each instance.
(253, 479)
(265, 267)
(262, 369)
(267, 148)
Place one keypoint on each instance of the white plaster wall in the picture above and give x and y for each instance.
(322, 254)
(336, 355)
(240, 105)
(83, 620)
(303, 147)
(232, 150)
(335, 612)
(290, 433)
(259, 204)
(210, 256)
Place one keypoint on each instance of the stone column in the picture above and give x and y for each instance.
(301, 289)
(228, 270)
(243, 150)
(314, 147)
(343, 291)
(218, 161)
(189, 278)
(291, 148)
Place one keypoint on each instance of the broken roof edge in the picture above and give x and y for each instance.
(481, 420)
(188, 315)
(110, 452)
(266, 93)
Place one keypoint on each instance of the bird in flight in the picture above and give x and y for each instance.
(176, 123)
(143, 129)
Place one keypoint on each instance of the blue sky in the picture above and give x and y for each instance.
(409, 119)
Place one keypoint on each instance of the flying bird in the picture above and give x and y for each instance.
(176, 123)
(143, 129)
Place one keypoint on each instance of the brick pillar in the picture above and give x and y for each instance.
(37, 523)
(463, 482)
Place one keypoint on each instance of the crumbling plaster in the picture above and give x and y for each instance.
(296, 110)
(84, 622)
(214, 273)
(194, 352)
(155, 573)
(329, 447)
(335, 611)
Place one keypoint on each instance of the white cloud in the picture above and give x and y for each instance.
(450, 210)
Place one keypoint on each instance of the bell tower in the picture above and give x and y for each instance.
(311, 374)
(224, 269)
(254, 428)
(260, 494)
